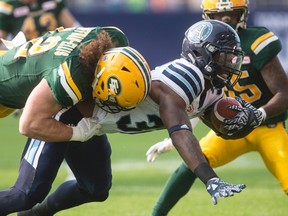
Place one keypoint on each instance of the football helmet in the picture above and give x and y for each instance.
(122, 79)
(214, 47)
(209, 7)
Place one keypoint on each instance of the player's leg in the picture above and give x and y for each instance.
(91, 165)
(38, 169)
(272, 144)
(175, 188)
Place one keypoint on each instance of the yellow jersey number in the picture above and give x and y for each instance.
(255, 93)
(38, 47)
(46, 20)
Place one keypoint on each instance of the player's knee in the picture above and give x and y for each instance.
(100, 197)
(101, 194)
(97, 192)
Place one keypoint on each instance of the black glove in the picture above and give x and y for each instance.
(248, 116)
(218, 188)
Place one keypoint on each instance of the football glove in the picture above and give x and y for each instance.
(218, 188)
(85, 129)
(248, 116)
(159, 148)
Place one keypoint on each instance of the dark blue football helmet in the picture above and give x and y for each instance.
(214, 47)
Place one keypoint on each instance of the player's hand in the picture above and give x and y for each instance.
(85, 129)
(218, 188)
(159, 148)
(248, 116)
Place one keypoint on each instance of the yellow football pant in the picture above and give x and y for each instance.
(271, 143)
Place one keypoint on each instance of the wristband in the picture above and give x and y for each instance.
(204, 172)
(178, 127)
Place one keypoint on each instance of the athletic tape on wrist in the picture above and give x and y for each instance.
(178, 127)
(263, 113)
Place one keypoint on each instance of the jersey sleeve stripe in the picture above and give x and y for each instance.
(68, 83)
(261, 42)
(192, 74)
(180, 76)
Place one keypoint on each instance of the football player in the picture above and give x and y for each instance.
(48, 75)
(264, 84)
(34, 17)
(183, 87)
(57, 70)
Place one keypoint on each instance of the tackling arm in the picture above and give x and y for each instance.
(37, 119)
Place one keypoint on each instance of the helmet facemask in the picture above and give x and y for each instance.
(224, 69)
(110, 105)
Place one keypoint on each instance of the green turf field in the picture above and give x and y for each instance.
(136, 183)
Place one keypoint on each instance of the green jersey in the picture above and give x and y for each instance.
(54, 57)
(32, 19)
(260, 46)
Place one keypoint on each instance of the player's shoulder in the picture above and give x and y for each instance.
(257, 29)
(183, 77)
(258, 38)
(253, 33)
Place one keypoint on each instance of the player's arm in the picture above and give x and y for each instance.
(67, 20)
(37, 119)
(277, 81)
(164, 146)
(174, 116)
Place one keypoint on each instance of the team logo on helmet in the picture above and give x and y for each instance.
(114, 85)
(200, 32)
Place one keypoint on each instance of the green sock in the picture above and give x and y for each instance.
(175, 188)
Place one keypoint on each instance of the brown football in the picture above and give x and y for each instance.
(221, 111)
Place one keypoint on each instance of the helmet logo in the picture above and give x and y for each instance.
(114, 85)
(199, 32)
(223, 5)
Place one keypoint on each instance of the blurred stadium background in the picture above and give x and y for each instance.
(156, 29)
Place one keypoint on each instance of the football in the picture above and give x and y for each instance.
(221, 111)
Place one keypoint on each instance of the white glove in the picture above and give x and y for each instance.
(85, 129)
(159, 148)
